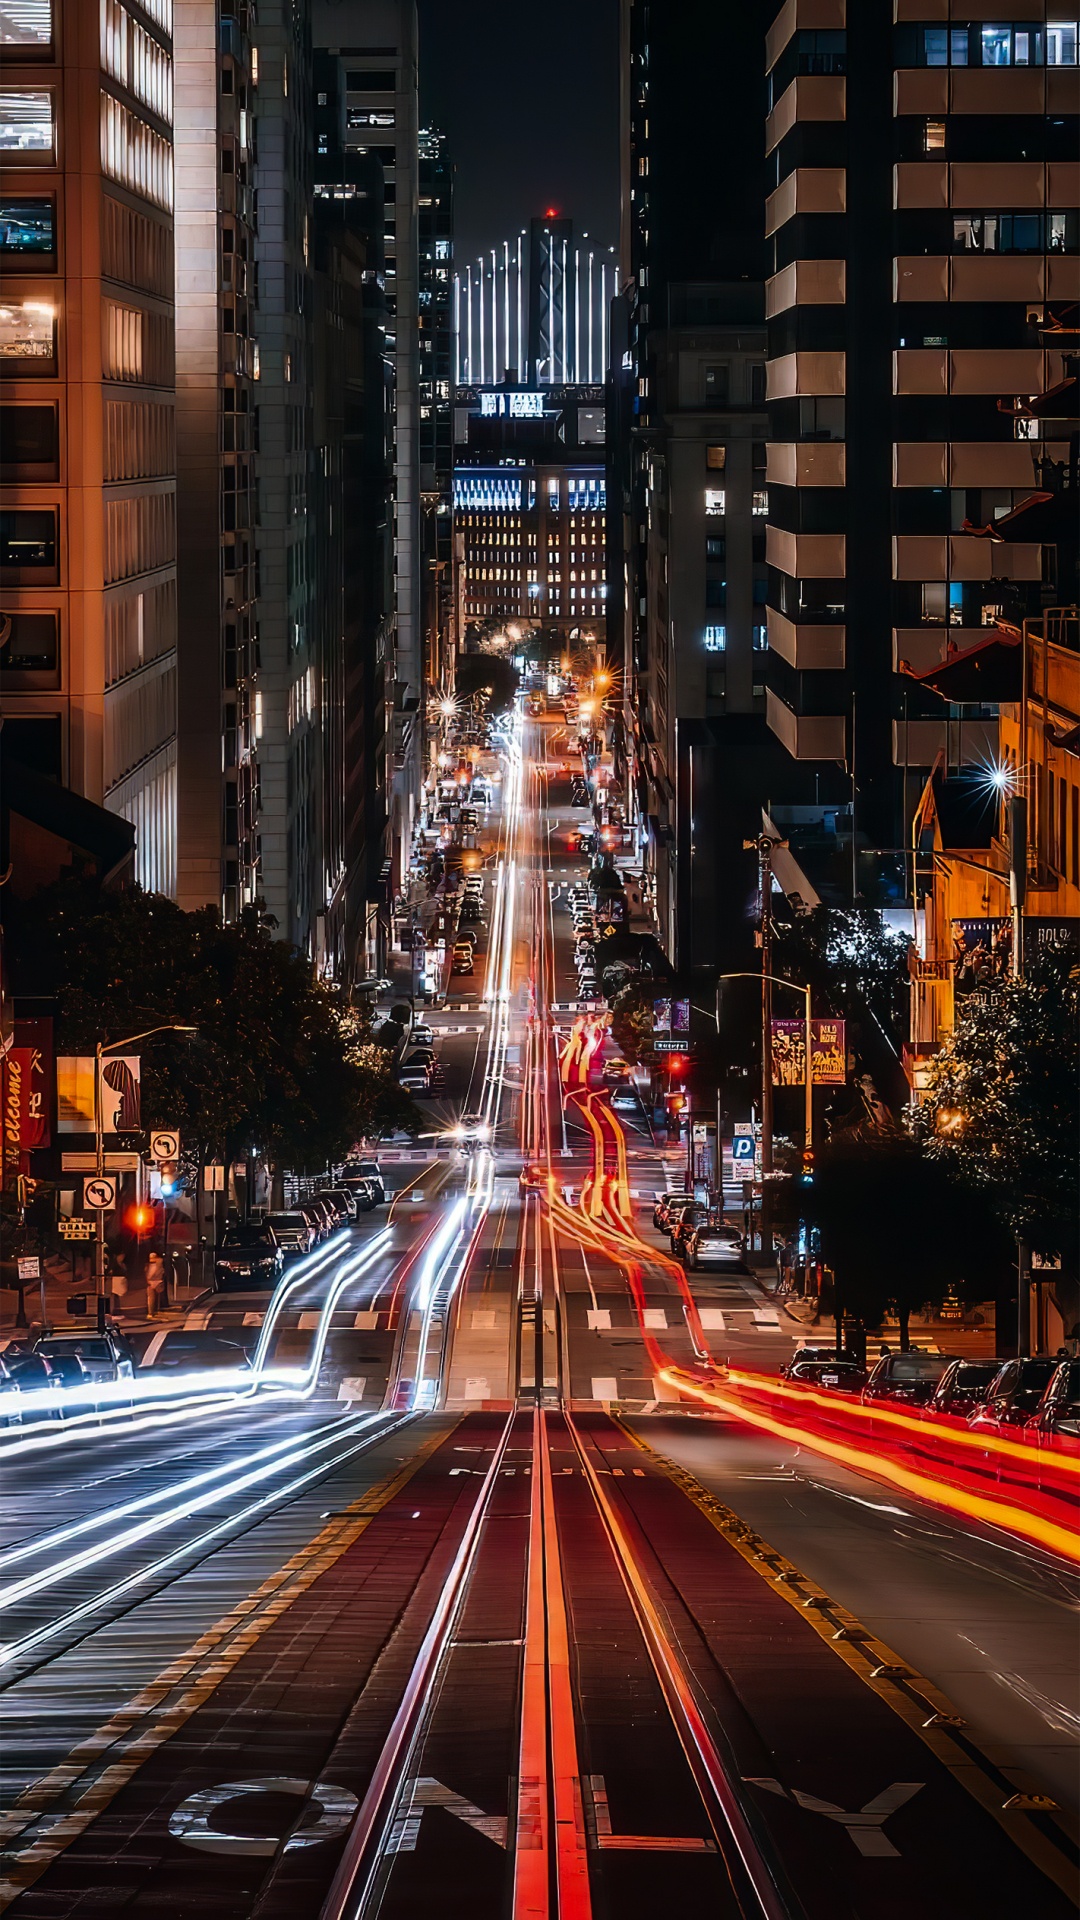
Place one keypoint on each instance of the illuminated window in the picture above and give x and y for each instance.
(26, 126)
(759, 503)
(1062, 39)
(714, 639)
(25, 27)
(934, 136)
(27, 336)
(715, 500)
(716, 459)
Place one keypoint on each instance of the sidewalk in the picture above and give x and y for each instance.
(133, 1311)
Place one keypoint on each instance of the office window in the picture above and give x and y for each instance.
(25, 28)
(32, 645)
(934, 136)
(714, 639)
(945, 46)
(759, 501)
(27, 544)
(716, 593)
(716, 459)
(715, 546)
(1000, 233)
(27, 337)
(714, 500)
(26, 126)
(717, 384)
(29, 443)
(1062, 40)
(28, 233)
(760, 639)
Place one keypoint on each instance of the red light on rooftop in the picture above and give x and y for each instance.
(551, 213)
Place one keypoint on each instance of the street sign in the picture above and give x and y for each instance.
(165, 1146)
(742, 1149)
(29, 1267)
(87, 1162)
(75, 1229)
(99, 1192)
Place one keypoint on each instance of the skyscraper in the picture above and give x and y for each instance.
(436, 404)
(88, 547)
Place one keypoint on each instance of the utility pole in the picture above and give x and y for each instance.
(765, 846)
(1018, 861)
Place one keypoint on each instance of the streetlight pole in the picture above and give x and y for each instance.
(102, 1048)
(765, 846)
(774, 980)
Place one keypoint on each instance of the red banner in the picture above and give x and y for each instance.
(35, 1037)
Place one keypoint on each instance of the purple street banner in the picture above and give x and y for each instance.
(827, 1049)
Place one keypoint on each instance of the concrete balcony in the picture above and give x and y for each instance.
(808, 648)
(812, 374)
(806, 283)
(806, 736)
(806, 463)
(807, 556)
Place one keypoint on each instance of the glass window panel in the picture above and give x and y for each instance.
(997, 46)
(27, 538)
(25, 23)
(28, 231)
(26, 123)
(29, 444)
(1061, 43)
(27, 336)
(32, 645)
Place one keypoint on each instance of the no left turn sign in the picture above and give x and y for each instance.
(99, 1192)
(165, 1145)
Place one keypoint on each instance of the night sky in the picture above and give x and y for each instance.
(527, 93)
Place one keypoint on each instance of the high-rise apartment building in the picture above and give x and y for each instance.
(217, 397)
(375, 42)
(924, 230)
(436, 401)
(88, 513)
(686, 462)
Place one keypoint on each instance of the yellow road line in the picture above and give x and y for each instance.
(207, 1662)
(869, 1659)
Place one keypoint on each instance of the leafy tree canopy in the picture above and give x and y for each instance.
(1002, 1108)
(486, 673)
(278, 1064)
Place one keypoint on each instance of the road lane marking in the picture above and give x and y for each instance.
(203, 1665)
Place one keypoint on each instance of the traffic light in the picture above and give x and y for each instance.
(806, 1177)
(676, 1064)
(139, 1219)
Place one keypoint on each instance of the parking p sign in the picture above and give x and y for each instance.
(742, 1150)
(99, 1192)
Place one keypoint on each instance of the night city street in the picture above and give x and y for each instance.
(540, 967)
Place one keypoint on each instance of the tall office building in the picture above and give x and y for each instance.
(375, 42)
(217, 394)
(923, 224)
(88, 519)
(436, 402)
(686, 462)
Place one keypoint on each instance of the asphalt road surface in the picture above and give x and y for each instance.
(457, 1608)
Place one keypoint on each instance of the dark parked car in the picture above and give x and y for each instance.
(249, 1256)
(682, 1223)
(105, 1356)
(1014, 1394)
(825, 1356)
(909, 1378)
(29, 1388)
(841, 1376)
(342, 1197)
(319, 1217)
(963, 1386)
(1058, 1411)
(664, 1207)
(294, 1233)
(364, 1170)
(335, 1206)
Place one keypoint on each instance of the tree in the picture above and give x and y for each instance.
(276, 1066)
(1001, 1109)
(486, 673)
(898, 1229)
(856, 966)
(632, 1020)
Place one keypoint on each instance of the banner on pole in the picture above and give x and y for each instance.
(827, 1047)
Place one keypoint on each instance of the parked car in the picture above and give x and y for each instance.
(817, 1356)
(193, 1350)
(626, 1099)
(842, 1376)
(317, 1218)
(421, 1035)
(963, 1386)
(1014, 1394)
(713, 1246)
(327, 1211)
(342, 1199)
(472, 911)
(29, 1388)
(364, 1170)
(294, 1234)
(663, 1207)
(683, 1222)
(417, 1079)
(248, 1256)
(462, 961)
(909, 1378)
(1058, 1411)
(105, 1356)
(588, 987)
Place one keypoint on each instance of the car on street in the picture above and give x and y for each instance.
(588, 987)
(627, 1099)
(714, 1246)
(908, 1378)
(421, 1035)
(664, 1205)
(337, 1206)
(472, 911)
(1014, 1394)
(105, 1356)
(342, 1198)
(840, 1376)
(1058, 1412)
(317, 1218)
(368, 1171)
(30, 1388)
(248, 1256)
(963, 1386)
(415, 1078)
(472, 1130)
(194, 1350)
(813, 1355)
(615, 1073)
(294, 1234)
(462, 959)
(682, 1222)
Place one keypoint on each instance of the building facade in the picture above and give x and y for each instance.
(923, 226)
(218, 392)
(529, 508)
(88, 550)
(375, 42)
(436, 404)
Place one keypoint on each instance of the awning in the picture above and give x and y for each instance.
(990, 671)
